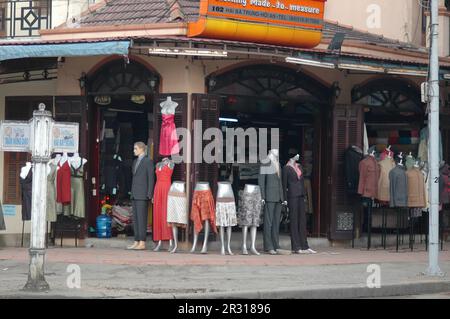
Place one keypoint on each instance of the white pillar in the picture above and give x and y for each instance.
(41, 150)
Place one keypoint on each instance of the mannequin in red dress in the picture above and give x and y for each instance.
(161, 230)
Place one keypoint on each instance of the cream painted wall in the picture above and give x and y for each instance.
(399, 19)
(44, 88)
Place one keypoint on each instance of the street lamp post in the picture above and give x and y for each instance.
(41, 125)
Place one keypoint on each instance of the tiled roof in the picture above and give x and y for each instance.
(121, 12)
(129, 12)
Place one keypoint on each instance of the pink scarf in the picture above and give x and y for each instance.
(296, 168)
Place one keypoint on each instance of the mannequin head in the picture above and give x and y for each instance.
(139, 148)
(295, 158)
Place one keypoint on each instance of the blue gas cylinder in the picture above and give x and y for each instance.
(104, 226)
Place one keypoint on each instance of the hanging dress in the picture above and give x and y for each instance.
(63, 191)
(26, 186)
(161, 230)
(51, 194)
(77, 207)
(168, 141)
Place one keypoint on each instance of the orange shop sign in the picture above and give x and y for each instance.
(280, 22)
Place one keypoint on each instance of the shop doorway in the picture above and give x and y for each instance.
(120, 111)
(394, 116)
(273, 96)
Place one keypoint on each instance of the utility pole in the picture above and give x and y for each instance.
(433, 146)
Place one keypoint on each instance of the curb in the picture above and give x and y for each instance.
(350, 292)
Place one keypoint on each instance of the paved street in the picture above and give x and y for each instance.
(117, 273)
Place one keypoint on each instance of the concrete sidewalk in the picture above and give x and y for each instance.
(117, 273)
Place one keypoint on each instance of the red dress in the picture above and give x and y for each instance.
(161, 230)
(63, 190)
(168, 140)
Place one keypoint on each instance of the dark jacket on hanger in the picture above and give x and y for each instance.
(398, 187)
(26, 186)
(143, 180)
(271, 186)
(369, 173)
(353, 155)
(293, 186)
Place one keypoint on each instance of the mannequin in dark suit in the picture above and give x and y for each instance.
(269, 181)
(294, 190)
(141, 193)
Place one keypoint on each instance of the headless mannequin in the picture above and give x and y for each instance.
(177, 187)
(168, 106)
(225, 191)
(164, 162)
(25, 170)
(202, 186)
(250, 189)
(64, 158)
(76, 161)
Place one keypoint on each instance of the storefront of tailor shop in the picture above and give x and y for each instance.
(318, 107)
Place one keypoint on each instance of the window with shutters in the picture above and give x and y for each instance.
(18, 109)
(206, 108)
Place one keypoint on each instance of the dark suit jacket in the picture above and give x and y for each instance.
(398, 187)
(143, 180)
(292, 185)
(271, 186)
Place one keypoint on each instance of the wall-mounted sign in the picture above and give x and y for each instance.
(9, 210)
(65, 137)
(102, 99)
(284, 22)
(15, 136)
(138, 99)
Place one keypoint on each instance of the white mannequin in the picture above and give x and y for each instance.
(168, 106)
(76, 161)
(416, 164)
(410, 154)
(57, 159)
(253, 229)
(178, 187)
(372, 153)
(25, 170)
(225, 191)
(202, 186)
(64, 158)
(165, 161)
(401, 162)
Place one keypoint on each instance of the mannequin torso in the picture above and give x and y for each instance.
(202, 186)
(25, 170)
(225, 190)
(251, 189)
(168, 106)
(178, 187)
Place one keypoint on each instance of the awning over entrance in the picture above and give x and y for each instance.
(8, 52)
